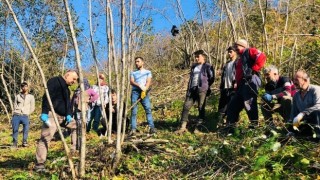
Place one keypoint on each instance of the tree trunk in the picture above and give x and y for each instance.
(113, 56)
(265, 42)
(230, 17)
(284, 30)
(6, 110)
(243, 20)
(185, 21)
(204, 32)
(122, 98)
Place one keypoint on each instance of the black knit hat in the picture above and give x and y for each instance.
(231, 48)
(197, 53)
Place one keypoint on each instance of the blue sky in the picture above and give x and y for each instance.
(161, 23)
(163, 14)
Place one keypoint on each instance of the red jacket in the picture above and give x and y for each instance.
(255, 55)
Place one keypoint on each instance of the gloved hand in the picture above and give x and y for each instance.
(69, 118)
(248, 77)
(45, 119)
(267, 97)
(143, 94)
(143, 88)
(297, 119)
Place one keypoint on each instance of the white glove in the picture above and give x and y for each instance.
(143, 88)
(297, 119)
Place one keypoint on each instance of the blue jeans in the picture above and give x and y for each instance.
(146, 104)
(16, 121)
(95, 116)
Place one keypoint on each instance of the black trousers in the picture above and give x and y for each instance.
(225, 97)
(245, 97)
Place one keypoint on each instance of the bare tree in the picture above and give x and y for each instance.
(264, 28)
(204, 31)
(83, 104)
(3, 69)
(230, 17)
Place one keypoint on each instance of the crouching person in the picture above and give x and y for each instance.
(305, 114)
(114, 112)
(60, 97)
(279, 88)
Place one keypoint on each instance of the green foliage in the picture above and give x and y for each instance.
(20, 176)
(260, 162)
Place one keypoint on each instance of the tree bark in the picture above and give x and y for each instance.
(230, 17)
(265, 42)
(284, 30)
(204, 32)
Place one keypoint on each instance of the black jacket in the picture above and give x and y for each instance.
(60, 97)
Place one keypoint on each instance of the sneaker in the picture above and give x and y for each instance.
(14, 146)
(153, 131)
(181, 131)
(39, 167)
(25, 144)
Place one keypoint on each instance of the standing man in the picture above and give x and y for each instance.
(248, 66)
(60, 97)
(306, 105)
(201, 78)
(279, 88)
(23, 106)
(227, 82)
(140, 79)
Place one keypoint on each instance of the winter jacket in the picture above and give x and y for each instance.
(283, 87)
(251, 61)
(60, 97)
(206, 78)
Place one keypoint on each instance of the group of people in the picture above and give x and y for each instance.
(297, 101)
(68, 110)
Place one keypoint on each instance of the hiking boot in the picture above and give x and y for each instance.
(25, 144)
(183, 128)
(39, 167)
(196, 131)
(181, 131)
(153, 131)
